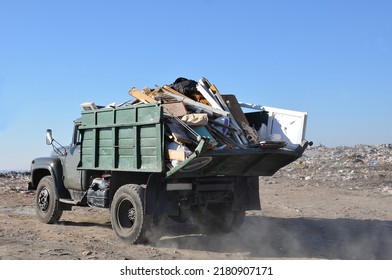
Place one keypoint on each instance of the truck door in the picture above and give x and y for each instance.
(72, 176)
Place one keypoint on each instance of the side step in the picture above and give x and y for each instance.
(68, 201)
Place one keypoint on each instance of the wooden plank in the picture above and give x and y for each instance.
(141, 96)
(235, 108)
(173, 91)
(194, 104)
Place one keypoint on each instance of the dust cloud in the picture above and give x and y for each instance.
(291, 238)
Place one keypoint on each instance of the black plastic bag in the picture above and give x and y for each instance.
(185, 86)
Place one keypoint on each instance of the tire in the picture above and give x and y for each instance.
(127, 214)
(47, 204)
(218, 219)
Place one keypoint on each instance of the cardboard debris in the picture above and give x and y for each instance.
(176, 155)
(195, 119)
(176, 109)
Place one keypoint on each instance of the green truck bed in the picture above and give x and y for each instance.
(123, 139)
(131, 138)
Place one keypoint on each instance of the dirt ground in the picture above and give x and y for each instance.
(327, 206)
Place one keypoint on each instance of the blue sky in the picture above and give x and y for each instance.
(332, 59)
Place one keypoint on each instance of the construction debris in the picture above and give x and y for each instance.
(196, 110)
(204, 110)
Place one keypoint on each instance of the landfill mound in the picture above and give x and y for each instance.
(366, 167)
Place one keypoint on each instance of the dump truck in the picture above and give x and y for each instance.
(119, 158)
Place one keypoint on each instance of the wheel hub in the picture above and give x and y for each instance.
(131, 214)
(126, 214)
(43, 199)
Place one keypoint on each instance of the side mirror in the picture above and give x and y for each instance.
(49, 138)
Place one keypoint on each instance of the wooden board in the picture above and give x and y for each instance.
(235, 108)
(194, 104)
(141, 96)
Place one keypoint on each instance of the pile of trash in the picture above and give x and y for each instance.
(343, 156)
(14, 174)
(14, 181)
(195, 110)
(356, 167)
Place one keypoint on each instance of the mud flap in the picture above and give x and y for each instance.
(246, 194)
(157, 199)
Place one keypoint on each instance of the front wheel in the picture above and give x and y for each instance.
(47, 204)
(127, 214)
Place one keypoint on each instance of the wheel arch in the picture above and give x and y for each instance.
(42, 167)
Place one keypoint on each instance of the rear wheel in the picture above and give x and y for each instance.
(47, 204)
(127, 214)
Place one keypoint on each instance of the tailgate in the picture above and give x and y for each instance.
(240, 162)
